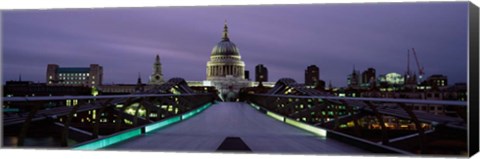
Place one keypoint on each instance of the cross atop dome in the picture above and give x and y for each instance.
(225, 32)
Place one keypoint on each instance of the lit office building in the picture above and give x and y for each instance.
(75, 76)
(391, 81)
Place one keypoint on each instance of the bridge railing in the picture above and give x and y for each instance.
(90, 113)
(357, 115)
(109, 140)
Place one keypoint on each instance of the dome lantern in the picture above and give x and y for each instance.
(225, 47)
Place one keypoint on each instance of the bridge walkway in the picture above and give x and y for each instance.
(262, 134)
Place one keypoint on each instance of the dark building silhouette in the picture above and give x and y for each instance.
(29, 88)
(368, 78)
(368, 75)
(437, 80)
(140, 87)
(353, 79)
(247, 75)
(312, 75)
(261, 73)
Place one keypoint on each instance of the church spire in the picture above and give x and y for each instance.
(157, 76)
(139, 86)
(225, 32)
(139, 80)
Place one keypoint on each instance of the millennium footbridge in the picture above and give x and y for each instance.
(288, 118)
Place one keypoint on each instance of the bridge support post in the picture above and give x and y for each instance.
(119, 121)
(96, 125)
(385, 139)
(26, 125)
(334, 108)
(135, 117)
(322, 117)
(356, 126)
(418, 126)
(64, 138)
(159, 111)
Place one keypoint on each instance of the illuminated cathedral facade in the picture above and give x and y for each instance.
(225, 70)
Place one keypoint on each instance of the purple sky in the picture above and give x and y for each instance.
(285, 38)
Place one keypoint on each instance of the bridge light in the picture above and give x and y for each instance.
(312, 129)
(110, 140)
(275, 116)
(94, 91)
(141, 112)
(130, 111)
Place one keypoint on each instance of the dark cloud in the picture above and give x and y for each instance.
(285, 38)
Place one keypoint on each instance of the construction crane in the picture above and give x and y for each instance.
(421, 71)
(408, 63)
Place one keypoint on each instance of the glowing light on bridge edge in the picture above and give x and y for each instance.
(312, 129)
(255, 106)
(166, 122)
(195, 112)
(137, 132)
(155, 126)
(275, 116)
(110, 140)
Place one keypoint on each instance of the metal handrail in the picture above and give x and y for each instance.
(44, 98)
(389, 100)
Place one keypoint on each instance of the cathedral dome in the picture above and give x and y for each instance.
(225, 61)
(225, 47)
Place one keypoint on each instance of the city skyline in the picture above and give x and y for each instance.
(336, 38)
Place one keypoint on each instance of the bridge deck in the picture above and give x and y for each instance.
(262, 134)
